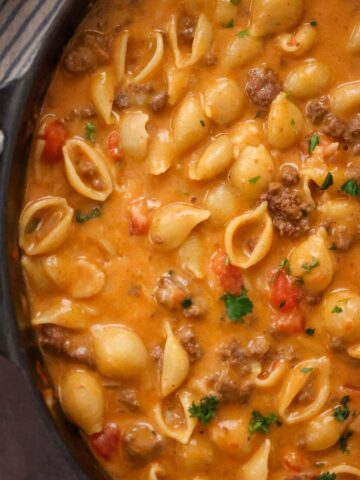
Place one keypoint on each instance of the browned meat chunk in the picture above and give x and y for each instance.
(353, 129)
(186, 29)
(88, 52)
(194, 311)
(288, 210)
(188, 338)
(262, 86)
(286, 352)
(128, 397)
(259, 347)
(56, 340)
(289, 175)
(159, 101)
(333, 126)
(228, 389)
(234, 354)
(121, 100)
(170, 292)
(317, 109)
(142, 443)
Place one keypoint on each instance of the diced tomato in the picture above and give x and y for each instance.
(138, 217)
(230, 277)
(285, 293)
(113, 146)
(55, 136)
(106, 442)
(289, 323)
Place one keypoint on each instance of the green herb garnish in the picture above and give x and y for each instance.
(314, 23)
(336, 309)
(350, 187)
(306, 370)
(343, 441)
(314, 141)
(254, 180)
(308, 266)
(243, 33)
(284, 264)
(333, 246)
(310, 332)
(327, 476)
(186, 303)
(235, 2)
(259, 113)
(82, 217)
(261, 424)
(342, 412)
(292, 123)
(229, 24)
(90, 132)
(329, 180)
(237, 306)
(204, 410)
(202, 123)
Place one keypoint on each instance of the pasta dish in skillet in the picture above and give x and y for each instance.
(190, 238)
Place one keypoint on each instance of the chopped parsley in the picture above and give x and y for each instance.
(327, 476)
(83, 217)
(342, 412)
(284, 264)
(310, 332)
(90, 132)
(261, 424)
(243, 33)
(350, 187)
(204, 410)
(259, 113)
(308, 266)
(329, 180)
(314, 23)
(235, 2)
(227, 260)
(202, 123)
(314, 141)
(292, 123)
(237, 306)
(336, 309)
(333, 246)
(343, 441)
(229, 24)
(306, 370)
(254, 179)
(186, 303)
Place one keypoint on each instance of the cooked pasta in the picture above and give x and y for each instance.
(189, 238)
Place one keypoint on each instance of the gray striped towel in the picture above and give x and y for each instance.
(23, 24)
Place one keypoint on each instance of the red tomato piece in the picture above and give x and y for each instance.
(138, 217)
(284, 292)
(230, 277)
(55, 136)
(106, 442)
(113, 146)
(289, 323)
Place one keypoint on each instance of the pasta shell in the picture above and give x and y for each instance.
(81, 278)
(295, 382)
(178, 81)
(181, 434)
(86, 170)
(241, 51)
(354, 351)
(155, 61)
(285, 123)
(274, 16)
(341, 315)
(133, 135)
(323, 431)
(232, 437)
(242, 229)
(276, 374)
(120, 50)
(203, 37)
(175, 365)
(225, 11)
(173, 223)
(191, 255)
(44, 225)
(102, 94)
(119, 352)
(308, 79)
(224, 101)
(156, 472)
(82, 399)
(257, 468)
(161, 153)
(345, 98)
(64, 313)
(189, 125)
(345, 470)
(216, 158)
(223, 204)
(246, 134)
(252, 172)
(300, 42)
(354, 41)
(35, 273)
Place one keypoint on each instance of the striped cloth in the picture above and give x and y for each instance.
(23, 24)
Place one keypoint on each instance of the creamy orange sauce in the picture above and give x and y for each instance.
(129, 261)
